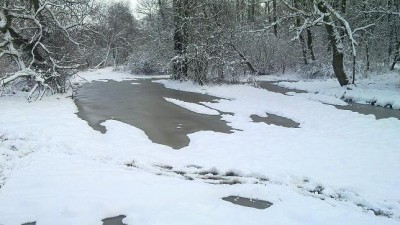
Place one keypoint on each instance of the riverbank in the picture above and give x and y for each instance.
(378, 89)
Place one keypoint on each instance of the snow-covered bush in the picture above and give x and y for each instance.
(146, 65)
(316, 70)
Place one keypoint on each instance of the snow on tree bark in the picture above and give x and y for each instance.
(336, 43)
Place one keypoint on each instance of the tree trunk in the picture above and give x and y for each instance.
(240, 7)
(35, 4)
(269, 11)
(310, 44)
(354, 70)
(161, 10)
(343, 6)
(301, 37)
(336, 44)
(179, 63)
(238, 19)
(115, 56)
(303, 49)
(390, 35)
(396, 56)
(340, 5)
(275, 18)
(251, 12)
(367, 55)
(18, 41)
(365, 38)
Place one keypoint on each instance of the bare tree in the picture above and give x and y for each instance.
(218, 38)
(118, 33)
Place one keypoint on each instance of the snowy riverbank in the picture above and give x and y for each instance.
(339, 167)
(381, 90)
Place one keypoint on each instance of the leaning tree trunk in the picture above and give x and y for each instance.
(245, 59)
(179, 62)
(336, 44)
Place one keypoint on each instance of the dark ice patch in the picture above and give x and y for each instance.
(275, 120)
(248, 202)
(114, 220)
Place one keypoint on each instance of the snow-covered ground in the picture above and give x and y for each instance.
(339, 167)
(379, 89)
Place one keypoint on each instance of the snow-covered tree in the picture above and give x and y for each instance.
(38, 36)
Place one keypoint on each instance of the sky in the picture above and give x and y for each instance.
(133, 3)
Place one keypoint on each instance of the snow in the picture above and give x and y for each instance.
(102, 75)
(61, 171)
(109, 73)
(193, 107)
(292, 76)
(320, 98)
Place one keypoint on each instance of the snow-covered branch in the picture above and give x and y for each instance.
(387, 12)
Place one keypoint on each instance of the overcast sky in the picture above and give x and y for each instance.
(134, 3)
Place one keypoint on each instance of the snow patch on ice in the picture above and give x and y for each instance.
(279, 77)
(193, 107)
(183, 86)
(320, 98)
(103, 75)
(151, 76)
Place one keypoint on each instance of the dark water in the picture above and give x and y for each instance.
(114, 220)
(144, 107)
(270, 86)
(378, 112)
(276, 120)
(247, 202)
